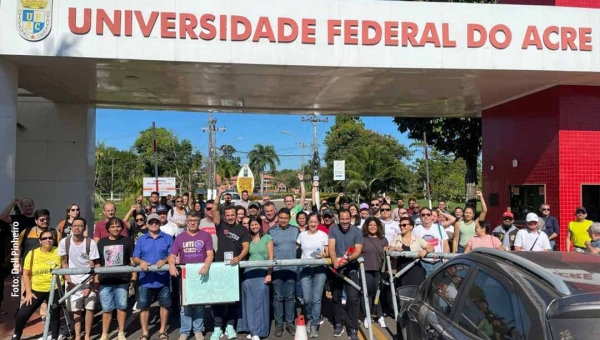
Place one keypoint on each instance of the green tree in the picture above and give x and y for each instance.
(226, 169)
(369, 172)
(259, 158)
(289, 177)
(115, 169)
(175, 158)
(347, 136)
(446, 176)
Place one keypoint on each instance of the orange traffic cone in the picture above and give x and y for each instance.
(301, 329)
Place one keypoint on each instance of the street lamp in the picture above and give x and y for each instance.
(302, 144)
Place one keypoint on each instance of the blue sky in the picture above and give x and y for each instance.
(120, 128)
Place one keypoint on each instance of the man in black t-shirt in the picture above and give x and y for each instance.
(234, 243)
(115, 250)
(24, 210)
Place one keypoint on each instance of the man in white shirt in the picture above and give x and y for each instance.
(167, 227)
(77, 251)
(531, 238)
(391, 227)
(433, 234)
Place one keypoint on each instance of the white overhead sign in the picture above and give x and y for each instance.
(369, 34)
(166, 186)
(339, 170)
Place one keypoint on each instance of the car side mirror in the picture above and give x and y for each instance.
(406, 296)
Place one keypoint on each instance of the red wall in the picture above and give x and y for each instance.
(527, 2)
(555, 136)
(564, 3)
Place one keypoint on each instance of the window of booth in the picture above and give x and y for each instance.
(590, 199)
(525, 199)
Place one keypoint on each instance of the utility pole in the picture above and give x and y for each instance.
(316, 161)
(212, 129)
(302, 145)
(112, 178)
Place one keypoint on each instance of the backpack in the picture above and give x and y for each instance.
(88, 243)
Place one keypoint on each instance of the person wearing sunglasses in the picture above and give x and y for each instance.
(408, 241)
(208, 224)
(433, 234)
(390, 226)
(550, 222)
(64, 226)
(37, 279)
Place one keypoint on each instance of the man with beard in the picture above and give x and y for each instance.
(233, 245)
(507, 231)
(341, 238)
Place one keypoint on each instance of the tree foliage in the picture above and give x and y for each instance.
(227, 164)
(261, 157)
(446, 176)
(349, 140)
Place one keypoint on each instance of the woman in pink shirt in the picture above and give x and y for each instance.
(483, 238)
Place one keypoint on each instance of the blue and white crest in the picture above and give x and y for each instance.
(34, 19)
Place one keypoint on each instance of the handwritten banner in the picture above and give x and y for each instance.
(220, 285)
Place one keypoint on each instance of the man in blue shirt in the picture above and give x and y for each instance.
(153, 248)
(550, 225)
(341, 238)
(284, 278)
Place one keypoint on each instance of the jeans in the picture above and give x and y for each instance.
(229, 312)
(299, 293)
(430, 267)
(191, 316)
(113, 297)
(373, 278)
(313, 282)
(552, 244)
(460, 249)
(284, 286)
(349, 312)
(146, 295)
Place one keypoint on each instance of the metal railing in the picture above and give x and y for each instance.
(243, 264)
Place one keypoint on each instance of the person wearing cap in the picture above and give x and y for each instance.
(531, 238)
(364, 213)
(153, 248)
(328, 221)
(578, 231)
(253, 209)
(550, 227)
(507, 231)
(593, 245)
(166, 227)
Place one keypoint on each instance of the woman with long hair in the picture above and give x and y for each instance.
(178, 214)
(302, 221)
(240, 213)
(255, 317)
(407, 241)
(373, 253)
(313, 244)
(354, 215)
(483, 238)
(37, 279)
(64, 226)
(465, 229)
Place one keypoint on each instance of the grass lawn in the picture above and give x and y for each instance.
(121, 211)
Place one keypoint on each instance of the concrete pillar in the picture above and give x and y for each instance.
(9, 84)
(55, 163)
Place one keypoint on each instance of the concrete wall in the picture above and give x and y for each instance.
(55, 156)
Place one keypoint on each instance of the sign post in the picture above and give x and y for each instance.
(339, 170)
(164, 185)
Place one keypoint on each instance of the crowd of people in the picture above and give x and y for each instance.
(171, 232)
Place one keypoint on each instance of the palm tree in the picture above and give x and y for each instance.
(366, 171)
(226, 168)
(259, 158)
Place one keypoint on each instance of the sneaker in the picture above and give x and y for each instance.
(381, 322)
(217, 334)
(352, 334)
(135, 309)
(121, 336)
(338, 330)
(278, 330)
(198, 336)
(230, 331)
(343, 301)
(183, 337)
(249, 336)
(104, 337)
(366, 323)
(256, 337)
(313, 332)
(291, 329)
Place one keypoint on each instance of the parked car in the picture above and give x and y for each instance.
(491, 294)
(235, 197)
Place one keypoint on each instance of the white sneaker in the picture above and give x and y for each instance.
(366, 323)
(255, 337)
(135, 309)
(381, 322)
(343, 301)
(248, 336)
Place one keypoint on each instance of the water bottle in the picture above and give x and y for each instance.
(316, 254)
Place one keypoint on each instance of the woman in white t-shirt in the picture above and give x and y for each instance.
(313, 243)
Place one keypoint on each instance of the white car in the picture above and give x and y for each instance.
(235, 197)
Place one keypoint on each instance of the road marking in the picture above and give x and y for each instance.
(363, 334)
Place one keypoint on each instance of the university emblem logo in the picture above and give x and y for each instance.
(34, 19)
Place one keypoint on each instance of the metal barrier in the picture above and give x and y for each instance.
(407, 254)
(243, 264)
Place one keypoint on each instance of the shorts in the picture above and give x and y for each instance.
(145, 296)
(79, 303)
(114, 297)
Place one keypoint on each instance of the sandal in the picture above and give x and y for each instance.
(163, 336)
(145, 337)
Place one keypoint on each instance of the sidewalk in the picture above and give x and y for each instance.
(7, 322)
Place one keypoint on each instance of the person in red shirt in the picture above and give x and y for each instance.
(100, 230)
(328, 221)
